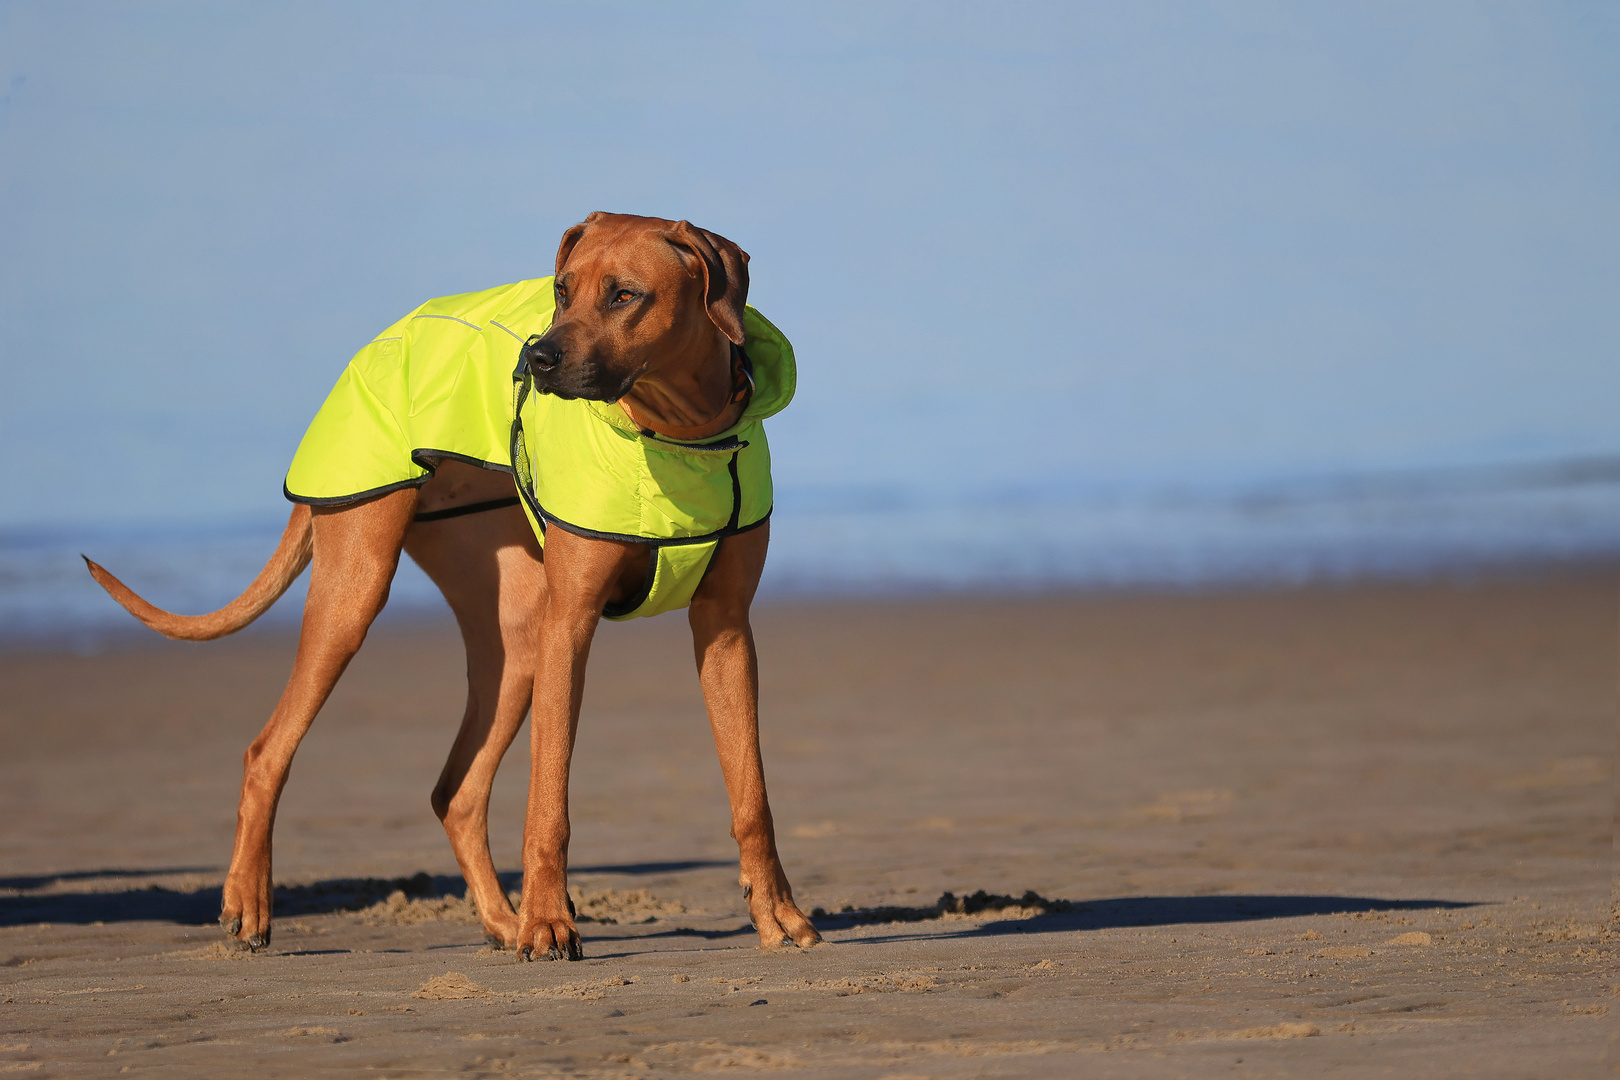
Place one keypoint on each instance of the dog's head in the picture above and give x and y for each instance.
(636, 295)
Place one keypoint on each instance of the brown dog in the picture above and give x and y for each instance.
(647, 314)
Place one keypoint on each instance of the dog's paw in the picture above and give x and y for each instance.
(245, 915)
(550, 939)
(782, 925)
(232, 926)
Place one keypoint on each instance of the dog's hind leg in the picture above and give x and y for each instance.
(356, 553)
(488, 567)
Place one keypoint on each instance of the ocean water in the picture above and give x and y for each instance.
(832, 542)
(1442, 523)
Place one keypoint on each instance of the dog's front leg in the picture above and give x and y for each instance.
(581, 575)
(728, 668)
(546, 928)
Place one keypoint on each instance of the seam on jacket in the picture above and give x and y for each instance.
(451, 318)
(728, 440)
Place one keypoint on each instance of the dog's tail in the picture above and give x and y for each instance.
(292, 555)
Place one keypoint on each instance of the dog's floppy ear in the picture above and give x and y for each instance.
(564, 249)
(571, 237)
(725, 275)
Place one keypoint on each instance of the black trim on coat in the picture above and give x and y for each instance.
(427, 457)
(357, 497)
(736, 491)
(423, 458)
(631, 538)
(630, 606)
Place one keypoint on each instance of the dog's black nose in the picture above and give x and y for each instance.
(541, 355)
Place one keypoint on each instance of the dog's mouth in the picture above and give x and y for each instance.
(598, 386)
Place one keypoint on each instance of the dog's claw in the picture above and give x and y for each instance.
(571, 951)
(786, 940)
(232, 926)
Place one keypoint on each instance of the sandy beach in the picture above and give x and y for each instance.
(1361, 830)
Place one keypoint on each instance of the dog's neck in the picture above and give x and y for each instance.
(691, 404)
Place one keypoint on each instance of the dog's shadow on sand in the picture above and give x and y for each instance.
(40, 898)
(989, 915)
(1128, 911)
(36, 899)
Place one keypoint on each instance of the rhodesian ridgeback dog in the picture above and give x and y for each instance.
(647, 314)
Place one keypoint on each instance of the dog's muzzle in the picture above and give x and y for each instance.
(582, 378)
(540, 355)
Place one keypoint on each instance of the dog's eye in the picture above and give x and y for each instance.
(562, 295)
(623, 296)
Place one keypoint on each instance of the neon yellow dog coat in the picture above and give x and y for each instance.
(444, 382)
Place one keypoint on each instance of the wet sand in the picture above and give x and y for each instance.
(1346, 831)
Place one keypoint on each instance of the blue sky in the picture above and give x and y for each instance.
(1072, 245)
